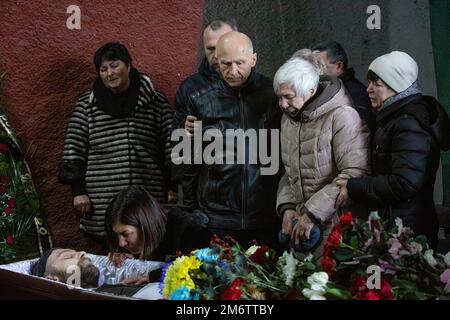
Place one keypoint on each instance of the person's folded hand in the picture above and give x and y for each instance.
(288, 216)
(139, 280)
(302, 229)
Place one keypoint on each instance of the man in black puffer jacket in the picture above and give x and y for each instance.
(410, 131)
(238, 199)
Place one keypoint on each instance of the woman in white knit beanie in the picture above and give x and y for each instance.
(392, 77)
(405, 150)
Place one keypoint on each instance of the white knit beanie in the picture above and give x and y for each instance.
(397, 69)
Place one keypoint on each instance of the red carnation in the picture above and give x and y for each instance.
(328, 265)
(346, 219)
(334, 239)
(233, 292)
(368, 295)
(8, 211)
(358, 285)
(386, 290)
(11, 203)
(326, 250)
(260, 255)
(9, 240)
(3, 148)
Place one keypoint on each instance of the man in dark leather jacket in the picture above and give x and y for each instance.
(208, 70)
(207, 74)
(238, 199)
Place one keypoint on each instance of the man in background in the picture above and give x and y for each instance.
(336, 61)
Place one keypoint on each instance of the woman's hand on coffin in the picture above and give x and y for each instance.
(136, 280)
(118, 258)
(82, 203)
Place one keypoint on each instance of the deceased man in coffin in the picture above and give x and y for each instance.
(69, 274)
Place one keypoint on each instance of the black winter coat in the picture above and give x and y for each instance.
(185, 232)
(235, 196)
(360, 99)
(405, 158)
(197, 82)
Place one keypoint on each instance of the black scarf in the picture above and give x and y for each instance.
(118, 105)
(38, 268)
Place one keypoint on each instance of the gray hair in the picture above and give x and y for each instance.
(313, 57)
(301, 74)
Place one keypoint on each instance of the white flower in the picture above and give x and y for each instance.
(374, 215)
(447, 259)
(308, 258)
(429, 258)
(319, 279)
(399, 224)
(415, 247)
(251, 250)
(313, 294)
(318, 282)
(289, 268)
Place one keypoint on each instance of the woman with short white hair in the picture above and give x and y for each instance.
(323, 139)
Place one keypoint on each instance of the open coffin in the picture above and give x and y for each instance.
(17, 283)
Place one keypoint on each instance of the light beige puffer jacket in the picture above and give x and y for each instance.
(330, 142)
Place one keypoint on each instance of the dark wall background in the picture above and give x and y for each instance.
(281, 27)
(440, 28)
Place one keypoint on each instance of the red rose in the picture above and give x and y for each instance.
(233, 292)
(3, 189)
(368, 295)
(9, 240)
(327, 265)
(11, 203)
(3, 148)
(260, 255)
(4, 179)
(326, 250)
(8, 211)
(386, 290)
(334, 239)
(346, 219)
(358, 285)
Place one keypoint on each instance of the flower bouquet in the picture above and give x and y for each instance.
(18, 202)
(380, 261)
(228, 272)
